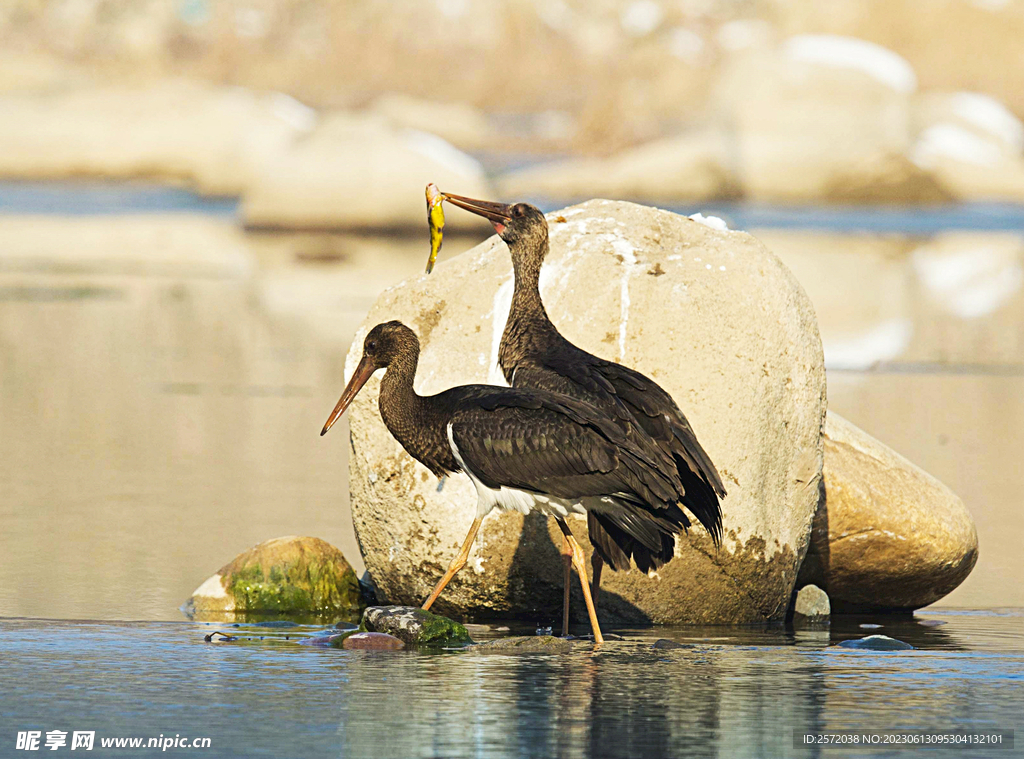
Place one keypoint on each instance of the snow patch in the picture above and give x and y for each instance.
(952, 141)
(972, 282)
(710, 221)
(883, 342)
(988, 114)
(878, 62)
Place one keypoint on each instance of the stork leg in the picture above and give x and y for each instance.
(596, 565)
(567, 563)
(457, 563)
(580, 562)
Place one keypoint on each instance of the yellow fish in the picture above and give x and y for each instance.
(435, 218)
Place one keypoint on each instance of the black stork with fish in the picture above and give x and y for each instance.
(534, 354)
(525, 449)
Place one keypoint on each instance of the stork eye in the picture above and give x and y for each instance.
(372, 345)
(517, 211)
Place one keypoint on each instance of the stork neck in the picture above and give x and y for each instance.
(526, 301)
(417, 422)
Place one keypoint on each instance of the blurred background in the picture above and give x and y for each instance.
(199, 200)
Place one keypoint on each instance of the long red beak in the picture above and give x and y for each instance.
(499, 214)
(362, 373)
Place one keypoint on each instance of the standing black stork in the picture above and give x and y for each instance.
(533, 354)
(523, 450)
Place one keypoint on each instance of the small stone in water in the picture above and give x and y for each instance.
(665, 643)
(877, 643)
(869, 626)
(372, 641)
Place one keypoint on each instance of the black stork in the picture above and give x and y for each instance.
(523, 449)
(534, 354)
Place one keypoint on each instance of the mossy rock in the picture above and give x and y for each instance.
(290, 575)
(414, 626)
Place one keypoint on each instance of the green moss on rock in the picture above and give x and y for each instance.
(290, 575)
(414, 626)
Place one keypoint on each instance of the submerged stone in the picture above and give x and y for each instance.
(524, 644)
(877, 643)
(664, 643)
(414, 625)
(284, 576)
(812, 605)
(370, 641)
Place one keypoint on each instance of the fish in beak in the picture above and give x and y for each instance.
(435, 219)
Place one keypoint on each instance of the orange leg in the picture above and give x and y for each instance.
(457, 563)
(567, 562)
(580, 562)
(596, 565)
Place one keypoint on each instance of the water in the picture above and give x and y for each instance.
(734, 693)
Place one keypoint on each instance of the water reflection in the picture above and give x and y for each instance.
(741, 695)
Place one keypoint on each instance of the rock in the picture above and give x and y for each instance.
(370, 641)
(414, 625)
(663, 643)
(811, 605)
(824, 118)
(283, 575)
(692, 166)
(877, 643)
(711, 315)
(887, 535)
(209, 137)
(359, 172)
(460, 124)
(526, 644)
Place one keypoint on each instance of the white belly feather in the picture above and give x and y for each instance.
(512, 499)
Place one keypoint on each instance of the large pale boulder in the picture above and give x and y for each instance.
(690, 166)
(887, 535)
(359, 171)
(972, 144)
(824, 118)
(208, 137)
(711, 315)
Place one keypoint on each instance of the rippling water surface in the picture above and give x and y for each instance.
(731, 693)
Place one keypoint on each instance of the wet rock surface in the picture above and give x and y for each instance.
(812, 605)
(370, 641)
(887, 534)
(414, 625)
(712, 316)
(665, 644)
(525, 644)
(284, 575)
(877, 643)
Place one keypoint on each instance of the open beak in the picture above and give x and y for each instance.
(498, 214)
(363, 372)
